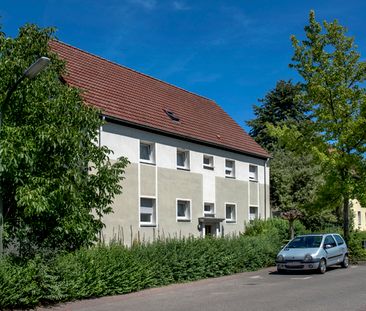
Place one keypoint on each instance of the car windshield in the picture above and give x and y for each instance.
(305, 242)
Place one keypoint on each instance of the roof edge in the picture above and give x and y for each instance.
(188, 138)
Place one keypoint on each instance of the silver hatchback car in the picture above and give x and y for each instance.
(313, 252)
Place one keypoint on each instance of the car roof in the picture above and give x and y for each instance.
(317, 234)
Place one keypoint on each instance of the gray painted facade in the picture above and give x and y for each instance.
(179, 196)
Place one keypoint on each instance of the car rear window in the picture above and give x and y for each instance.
(305, 242)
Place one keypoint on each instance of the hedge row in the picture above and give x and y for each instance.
(115, 269)
(111, 270)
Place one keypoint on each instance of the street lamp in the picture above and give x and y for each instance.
(31, 72)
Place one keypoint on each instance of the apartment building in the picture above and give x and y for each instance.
(193, 170)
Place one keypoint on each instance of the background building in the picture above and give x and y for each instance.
(359, 213)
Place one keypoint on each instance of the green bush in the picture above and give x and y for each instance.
(110, 270)
(357, 252)
(115, 269)
(273, 226)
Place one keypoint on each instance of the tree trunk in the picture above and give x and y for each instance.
(346, 217)
(291, 228)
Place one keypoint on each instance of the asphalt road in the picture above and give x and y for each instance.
(338, 289)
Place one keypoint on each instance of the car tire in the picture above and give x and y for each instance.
(322, 266)
(345, 262)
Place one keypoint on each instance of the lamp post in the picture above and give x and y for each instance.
(31, 72)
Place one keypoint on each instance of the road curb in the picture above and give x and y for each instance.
(359, 263)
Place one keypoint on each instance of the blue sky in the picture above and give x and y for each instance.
(230, 51)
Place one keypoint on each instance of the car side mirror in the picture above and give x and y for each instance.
(326, 246)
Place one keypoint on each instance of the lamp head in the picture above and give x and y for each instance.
(39, 65)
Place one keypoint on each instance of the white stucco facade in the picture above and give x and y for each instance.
(359, 213)
(161, 198)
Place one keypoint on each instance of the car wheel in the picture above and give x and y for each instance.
(322, 266)
(345, 262)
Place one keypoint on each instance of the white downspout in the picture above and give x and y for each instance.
(265, 189)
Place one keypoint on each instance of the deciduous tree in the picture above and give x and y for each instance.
(295, 176)
(334, 76)
(278, 106)
(56, 183)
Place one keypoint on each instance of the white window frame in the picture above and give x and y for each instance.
(231, 170)
(209, 214)
(211, 160)
(184, 218)
(153, 212)
(231, 220)
(256, 214)
(186, 165)
(151, 159)
(359, 218)
(253, 176)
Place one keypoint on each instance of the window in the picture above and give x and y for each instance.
(208, 162)
(230, 212)
(147, 152)
(359, 218)
(339, 239)
(171, 115)
(329, 241)
(147, 211)
(253, 213)
(253, 172)
(183, 210)
(229, 168)
(209, 210)
(183, 159)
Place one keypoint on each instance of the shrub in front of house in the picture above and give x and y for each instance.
(115, 269)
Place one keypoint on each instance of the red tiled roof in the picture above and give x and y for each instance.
(136, 98)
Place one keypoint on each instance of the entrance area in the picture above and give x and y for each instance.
(209, 226)
(208, 230)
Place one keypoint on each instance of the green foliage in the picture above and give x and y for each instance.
(111, 270)
(334, 76)
(295, 179)
(295, 176)
(278, 106)
(357, 252)
(273, 227)
(48, 143)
